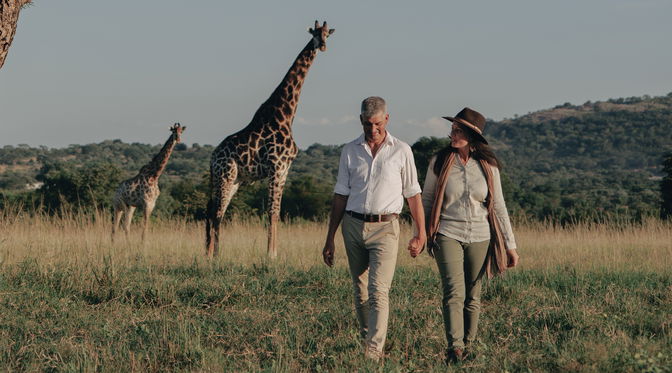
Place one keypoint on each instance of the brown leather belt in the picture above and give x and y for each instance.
(369, 218)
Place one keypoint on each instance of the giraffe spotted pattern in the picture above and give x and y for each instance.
(264, 149)
(142, 190)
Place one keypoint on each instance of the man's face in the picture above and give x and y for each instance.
(374, 127)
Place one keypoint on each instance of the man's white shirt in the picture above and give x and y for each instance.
(377, 185)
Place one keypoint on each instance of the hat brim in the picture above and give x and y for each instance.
(468, 126)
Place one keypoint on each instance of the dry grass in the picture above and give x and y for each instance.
(646, 246)
(587, 298)
(80, 239)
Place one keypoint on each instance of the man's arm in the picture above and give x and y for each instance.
(337, 210)
(417, 243)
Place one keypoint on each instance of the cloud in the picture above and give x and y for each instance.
(348, 119)
(410, 130)
(325, 121)
(435, 126)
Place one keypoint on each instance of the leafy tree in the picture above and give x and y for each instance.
(193, 199)
(423, 151)
(307, 198)
(15, 180)
(81, 188)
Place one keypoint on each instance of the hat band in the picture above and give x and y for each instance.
(462, 121)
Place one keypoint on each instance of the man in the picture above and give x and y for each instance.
(375, 174)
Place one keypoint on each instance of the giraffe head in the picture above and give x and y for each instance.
(320, 35)
(177, 129)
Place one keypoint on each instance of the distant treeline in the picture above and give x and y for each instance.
(597, 161)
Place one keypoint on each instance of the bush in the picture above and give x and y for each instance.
(84, 188)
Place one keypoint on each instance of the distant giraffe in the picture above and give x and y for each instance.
(264, 149)
(143, 189)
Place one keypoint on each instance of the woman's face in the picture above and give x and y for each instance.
(458, 137)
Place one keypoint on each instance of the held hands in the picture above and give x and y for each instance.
(512, 258)
(328, 253)
(415, 245)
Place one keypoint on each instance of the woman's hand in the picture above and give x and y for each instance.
(512, 258)
(416, 244)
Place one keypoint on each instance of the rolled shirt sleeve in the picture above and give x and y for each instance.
(409, 175)
(500, 210)
(429, 189)
(343, 179)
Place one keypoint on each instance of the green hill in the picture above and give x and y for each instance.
(588, 159)
(592, 161)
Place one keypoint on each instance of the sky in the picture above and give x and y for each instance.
(83, 71)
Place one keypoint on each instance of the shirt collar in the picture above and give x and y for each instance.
(389, 139)
(470, 163)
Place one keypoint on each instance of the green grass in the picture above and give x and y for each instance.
(203, 316)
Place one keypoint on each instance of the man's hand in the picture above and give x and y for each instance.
(512, 258)
(337, 210)
(415, 245)
(328, 253)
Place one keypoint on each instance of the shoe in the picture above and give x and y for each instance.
(454, 355)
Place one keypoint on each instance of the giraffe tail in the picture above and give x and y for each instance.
(209, 224)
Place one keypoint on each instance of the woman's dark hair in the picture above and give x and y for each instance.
(480, 151)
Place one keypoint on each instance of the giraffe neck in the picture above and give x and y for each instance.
(155, 167)
(281, 106)
(10, 15)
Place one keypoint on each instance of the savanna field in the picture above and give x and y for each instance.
(585, 298)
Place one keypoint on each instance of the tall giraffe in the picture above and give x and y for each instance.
(264, 149)
(142, 190)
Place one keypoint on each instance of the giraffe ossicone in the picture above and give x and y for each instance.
(264, 149)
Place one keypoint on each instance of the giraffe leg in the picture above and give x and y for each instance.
(219, 201)
(149, 207)
(211, 226)
(275, 188)
(128, 217)
(116, 219)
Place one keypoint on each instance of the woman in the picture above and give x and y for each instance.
(469, 232)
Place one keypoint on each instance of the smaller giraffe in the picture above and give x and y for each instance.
(142, 190)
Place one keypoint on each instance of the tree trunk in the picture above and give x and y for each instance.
(666, 188)
(9, 15)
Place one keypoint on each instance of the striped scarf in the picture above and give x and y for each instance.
(495, 260)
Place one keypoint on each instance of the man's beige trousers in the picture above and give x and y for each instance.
(372, 255)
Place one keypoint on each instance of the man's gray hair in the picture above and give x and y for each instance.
(372, 106)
